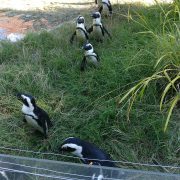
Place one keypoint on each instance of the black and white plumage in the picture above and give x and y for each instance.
(81, 31)
(90, 57)
(105, 7)
(34, 115)
(87, 152)
(97, 29)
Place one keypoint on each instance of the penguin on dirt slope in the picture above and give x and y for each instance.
(87, 152)
(97, 29)
(106, 7)
(81, 31)
(34, 115)
(90, 57)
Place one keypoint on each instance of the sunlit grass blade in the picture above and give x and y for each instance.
(172, 105)
(168, 87)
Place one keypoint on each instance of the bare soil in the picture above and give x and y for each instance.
(21, 16)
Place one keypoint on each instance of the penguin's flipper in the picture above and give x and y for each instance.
(110, 9)
(90, 29)
(98, 59)
(97, 56)
(72, 37)
(107, 32)
(100, 9)
(102, 29)
(86, 34)
(86, 29)
(83, 64)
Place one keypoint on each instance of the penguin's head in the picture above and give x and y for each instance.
(80, 20)
(72, 145)
(26, 99)
(88, 47)
(96, 17)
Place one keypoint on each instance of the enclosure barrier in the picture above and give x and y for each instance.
(23, 168)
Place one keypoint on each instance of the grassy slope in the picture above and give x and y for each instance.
(84, 104)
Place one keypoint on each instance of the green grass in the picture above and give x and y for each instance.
(84, 104)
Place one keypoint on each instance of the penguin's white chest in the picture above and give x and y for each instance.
(80, 34)
(105, 9)
(97, 32)
(32, 122)
(30, 118)
(97, 29)
(92, 60)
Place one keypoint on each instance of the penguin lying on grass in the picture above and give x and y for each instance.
(87, 152)
(34, 115)
(97, 29)
(106, 7)
(81, 31)
(90, 57)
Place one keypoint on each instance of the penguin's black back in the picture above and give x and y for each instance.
(90, 151)
(42, 116)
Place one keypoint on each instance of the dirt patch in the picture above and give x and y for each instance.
(14, 24)
(21, 16)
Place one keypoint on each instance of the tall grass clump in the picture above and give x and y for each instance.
(166, 75)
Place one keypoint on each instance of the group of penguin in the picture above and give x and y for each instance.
(97, 31)
(39, 119)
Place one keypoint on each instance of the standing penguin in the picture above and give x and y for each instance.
(34, 115)
(81, 31)
(97, 29)
(89, 56)
(87, 152)
(106, 7)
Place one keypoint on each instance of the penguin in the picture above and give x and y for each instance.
(106, 7)
(97, 29)
(87, 152)
(81, 30)
(90, 56)
(34, 115)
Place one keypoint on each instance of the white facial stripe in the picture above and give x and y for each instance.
(28, 101)
(77, 152)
